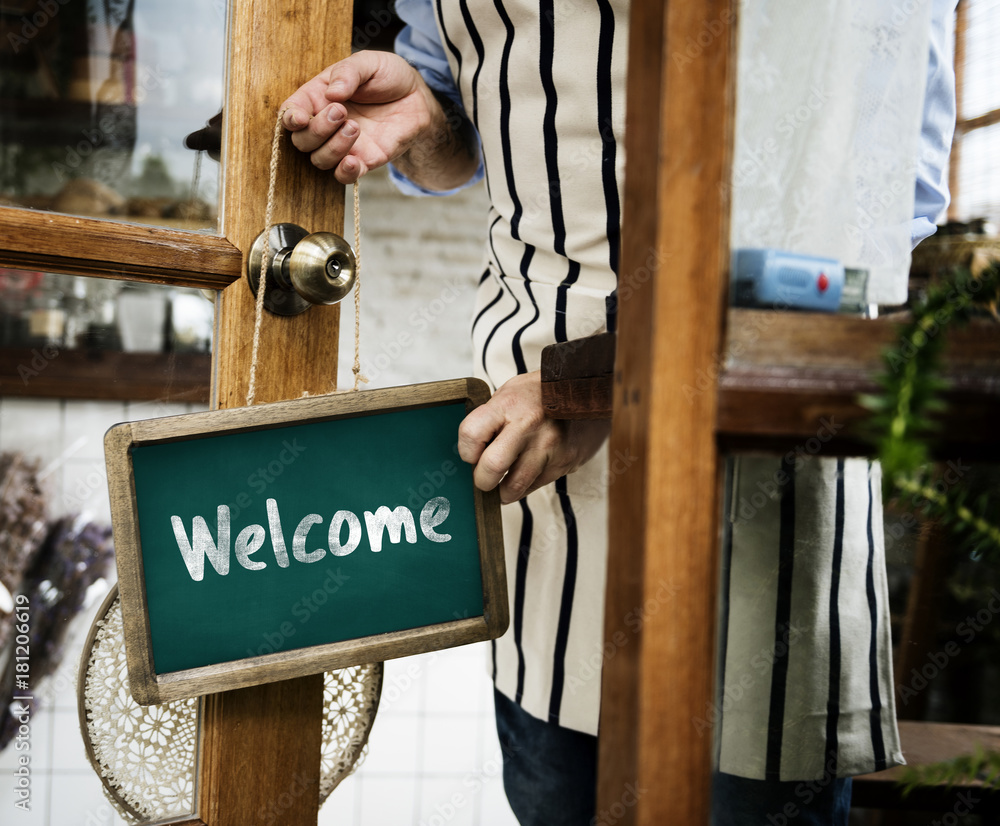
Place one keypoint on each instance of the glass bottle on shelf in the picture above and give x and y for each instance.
(142, 318)
(18, 287)
(78, 314)
(102, 328)
(47, 314)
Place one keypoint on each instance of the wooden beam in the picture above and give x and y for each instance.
(955, 159)
(664, 511)
(50, 242)
(260, 754)
(979, 122)
(261, 745)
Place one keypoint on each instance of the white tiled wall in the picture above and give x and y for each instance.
(433, 757)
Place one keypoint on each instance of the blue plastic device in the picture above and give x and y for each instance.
(786, 280)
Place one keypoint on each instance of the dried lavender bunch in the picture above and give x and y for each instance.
(73, 557)
(22, 529)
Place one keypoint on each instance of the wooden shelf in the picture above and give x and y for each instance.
(925, 743)
(782, 375)
(105, 374)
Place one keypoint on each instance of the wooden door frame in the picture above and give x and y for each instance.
(260, 752)
(654, 763)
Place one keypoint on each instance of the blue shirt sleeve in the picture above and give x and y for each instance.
(420, 46)
(938, 126)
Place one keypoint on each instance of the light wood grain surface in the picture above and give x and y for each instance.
(663, 522)
(258, 741)
(89, 246)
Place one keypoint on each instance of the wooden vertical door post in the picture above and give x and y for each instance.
(654, 765)
(261, 746)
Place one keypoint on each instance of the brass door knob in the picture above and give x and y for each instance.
(302, 268)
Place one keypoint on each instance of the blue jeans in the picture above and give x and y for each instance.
(550, 776)
(737, 801)
(549, 772)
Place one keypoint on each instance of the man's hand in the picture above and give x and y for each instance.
(509, 439)
(372, 108)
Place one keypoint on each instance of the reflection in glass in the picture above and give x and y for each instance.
(96, 99)
(69, 369)
(76, 313)
(822, 221)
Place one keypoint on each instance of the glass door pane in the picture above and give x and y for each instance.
(105, 108)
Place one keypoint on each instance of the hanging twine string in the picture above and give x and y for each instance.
(262, 279)
(358, 376)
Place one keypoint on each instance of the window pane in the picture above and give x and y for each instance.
(979, 180)
(980, 91)
(97, 98)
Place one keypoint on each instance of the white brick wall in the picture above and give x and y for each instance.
(421, 261)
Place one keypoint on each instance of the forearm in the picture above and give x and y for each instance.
(445, 154)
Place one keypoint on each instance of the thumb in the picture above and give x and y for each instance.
(370, 77)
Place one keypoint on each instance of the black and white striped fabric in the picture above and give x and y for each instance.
(805, 643)
(544, 83)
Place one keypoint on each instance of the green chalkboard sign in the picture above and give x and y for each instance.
(264, 543)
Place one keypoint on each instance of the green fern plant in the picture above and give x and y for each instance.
(981, 765)
(902, 423)
(903, 429)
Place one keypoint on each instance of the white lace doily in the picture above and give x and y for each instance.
(146, 755)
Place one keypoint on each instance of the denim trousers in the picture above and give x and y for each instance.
(550, 776)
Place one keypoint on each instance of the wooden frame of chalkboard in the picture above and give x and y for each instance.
(197, 621)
